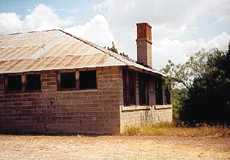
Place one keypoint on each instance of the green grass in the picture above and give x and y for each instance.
(169, 129)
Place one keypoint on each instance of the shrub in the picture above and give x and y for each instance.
(170, 129)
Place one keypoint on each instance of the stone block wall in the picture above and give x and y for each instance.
(97, 111)
(52, 111)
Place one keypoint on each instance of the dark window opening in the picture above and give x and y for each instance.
(167, 95)
(33, 82)
(159, 94)
(129, 87)
(143, 89)
(88, 80)
(14, 83)
(67, 80)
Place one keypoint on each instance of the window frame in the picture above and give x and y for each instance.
(25, 84)
(80, 79)
(159, 91)
(59, 80)
(143, 85)
(77, 80)
(129, 76)
(167, 95)
(6, 88)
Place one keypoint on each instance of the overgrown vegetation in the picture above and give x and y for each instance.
(113, 48)
(200, 90)
(170, 129)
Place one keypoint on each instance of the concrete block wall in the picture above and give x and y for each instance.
(140, 115)
(98, 111)
(137, 115)
(52, 111)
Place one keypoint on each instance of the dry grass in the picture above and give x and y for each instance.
(168, 129)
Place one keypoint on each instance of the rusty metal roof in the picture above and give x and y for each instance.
(55, 49)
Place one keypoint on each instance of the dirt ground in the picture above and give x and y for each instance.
(113, 148)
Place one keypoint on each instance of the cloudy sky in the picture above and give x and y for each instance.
(180, 27)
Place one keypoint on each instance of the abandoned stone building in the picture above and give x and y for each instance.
(53, 82)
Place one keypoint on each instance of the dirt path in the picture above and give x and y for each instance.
(113, 148)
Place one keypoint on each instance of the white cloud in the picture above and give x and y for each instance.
(219, 9)
(10, 22)
(97, 30)
(159, 12)
(153, 11)
(176, 25)
(178, 51)
(43, 17)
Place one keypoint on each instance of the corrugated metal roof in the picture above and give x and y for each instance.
(55, 49)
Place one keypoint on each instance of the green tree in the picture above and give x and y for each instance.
(200, 85)
(208, 99)
(181, 76)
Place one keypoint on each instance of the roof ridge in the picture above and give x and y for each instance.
(86, 42)
(110, 53)
(118, 58)
(93, 45)
(48, 30)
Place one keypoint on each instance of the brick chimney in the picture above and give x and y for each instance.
(144, 44)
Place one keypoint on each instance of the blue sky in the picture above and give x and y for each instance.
(180, 27)
(62, 7)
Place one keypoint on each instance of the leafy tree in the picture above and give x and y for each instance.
(181, 76)
(200, 90)
(208, 99)
(178, 97)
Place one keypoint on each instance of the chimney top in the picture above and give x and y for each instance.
(144, 23)
(144, 32)
(144, 44)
